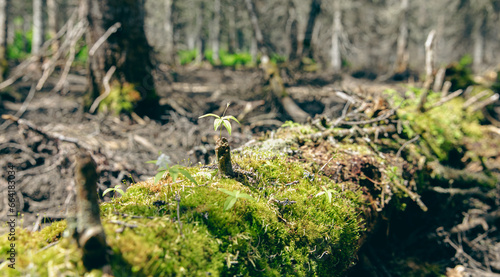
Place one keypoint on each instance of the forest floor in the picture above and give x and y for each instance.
(409, 242)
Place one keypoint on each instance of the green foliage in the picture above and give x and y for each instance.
(163, 167)
(460, 74)
(233, 197)
(277, 59)
(187, 56)
(20, 49)
(122, 98)
(235, 60)
(82, 56)
(224, 120)
(117, 188)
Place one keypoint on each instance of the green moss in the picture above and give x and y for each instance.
(254, 238)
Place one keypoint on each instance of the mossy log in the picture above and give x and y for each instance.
(316, 200)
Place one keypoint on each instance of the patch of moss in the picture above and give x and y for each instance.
(305, 236)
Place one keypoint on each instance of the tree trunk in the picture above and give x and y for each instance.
(37, 26)
(52, 22)
(336, 30)
(169, 31)
(402, 54)
(255, 25)
(313, 14)
(3, 38)
(272, 74)
(289, 28)
(478, 38)
(216, 31)
(127, 49)
(199, 41)
(232, 28)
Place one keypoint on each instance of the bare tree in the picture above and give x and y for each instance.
(255, 25)
(37, 26)
(336, 61)
(52, 21)
(126, 52)
(231, 14)
(169, 31)
(402, 55)
(313, 14)
(3, 37)
(216, 31)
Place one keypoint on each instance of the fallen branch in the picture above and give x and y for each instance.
(446, 99)
(102, 39)
(23, 108)
(490, 100)
(475, 98)
(107, 89)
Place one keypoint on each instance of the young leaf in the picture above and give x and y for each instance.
(329, 194)
(246, 196)
(187, 175)
(229, 202)
(159, 175)
(106, 191)
(231, 117)
(119, 190)
(228, 192)
(209, 114)
(151, 162)
(174, 172)
(217, 123)
(320, 193)
(227, 125)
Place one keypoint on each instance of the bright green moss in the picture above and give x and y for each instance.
(254, 238)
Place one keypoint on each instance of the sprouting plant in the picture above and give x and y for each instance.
(328, 193)
(162, 163)
(233, 197)
(224, 120)
(117, 188)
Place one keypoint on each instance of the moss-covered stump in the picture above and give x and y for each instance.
(319, 192)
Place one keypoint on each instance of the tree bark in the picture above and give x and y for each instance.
(336, 61)
(216, 31)
(307, 50)
(127, 49)
(169, 31)
(37, 26)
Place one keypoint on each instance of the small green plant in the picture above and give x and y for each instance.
(224, 120)
(162, 163)
(117, 188)
(233, 197)
(187, 56)
(328, 193)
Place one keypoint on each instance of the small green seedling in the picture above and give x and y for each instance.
(328, 193)
(233, 197)
(117, 188)
(162, 163)
(224, 120)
